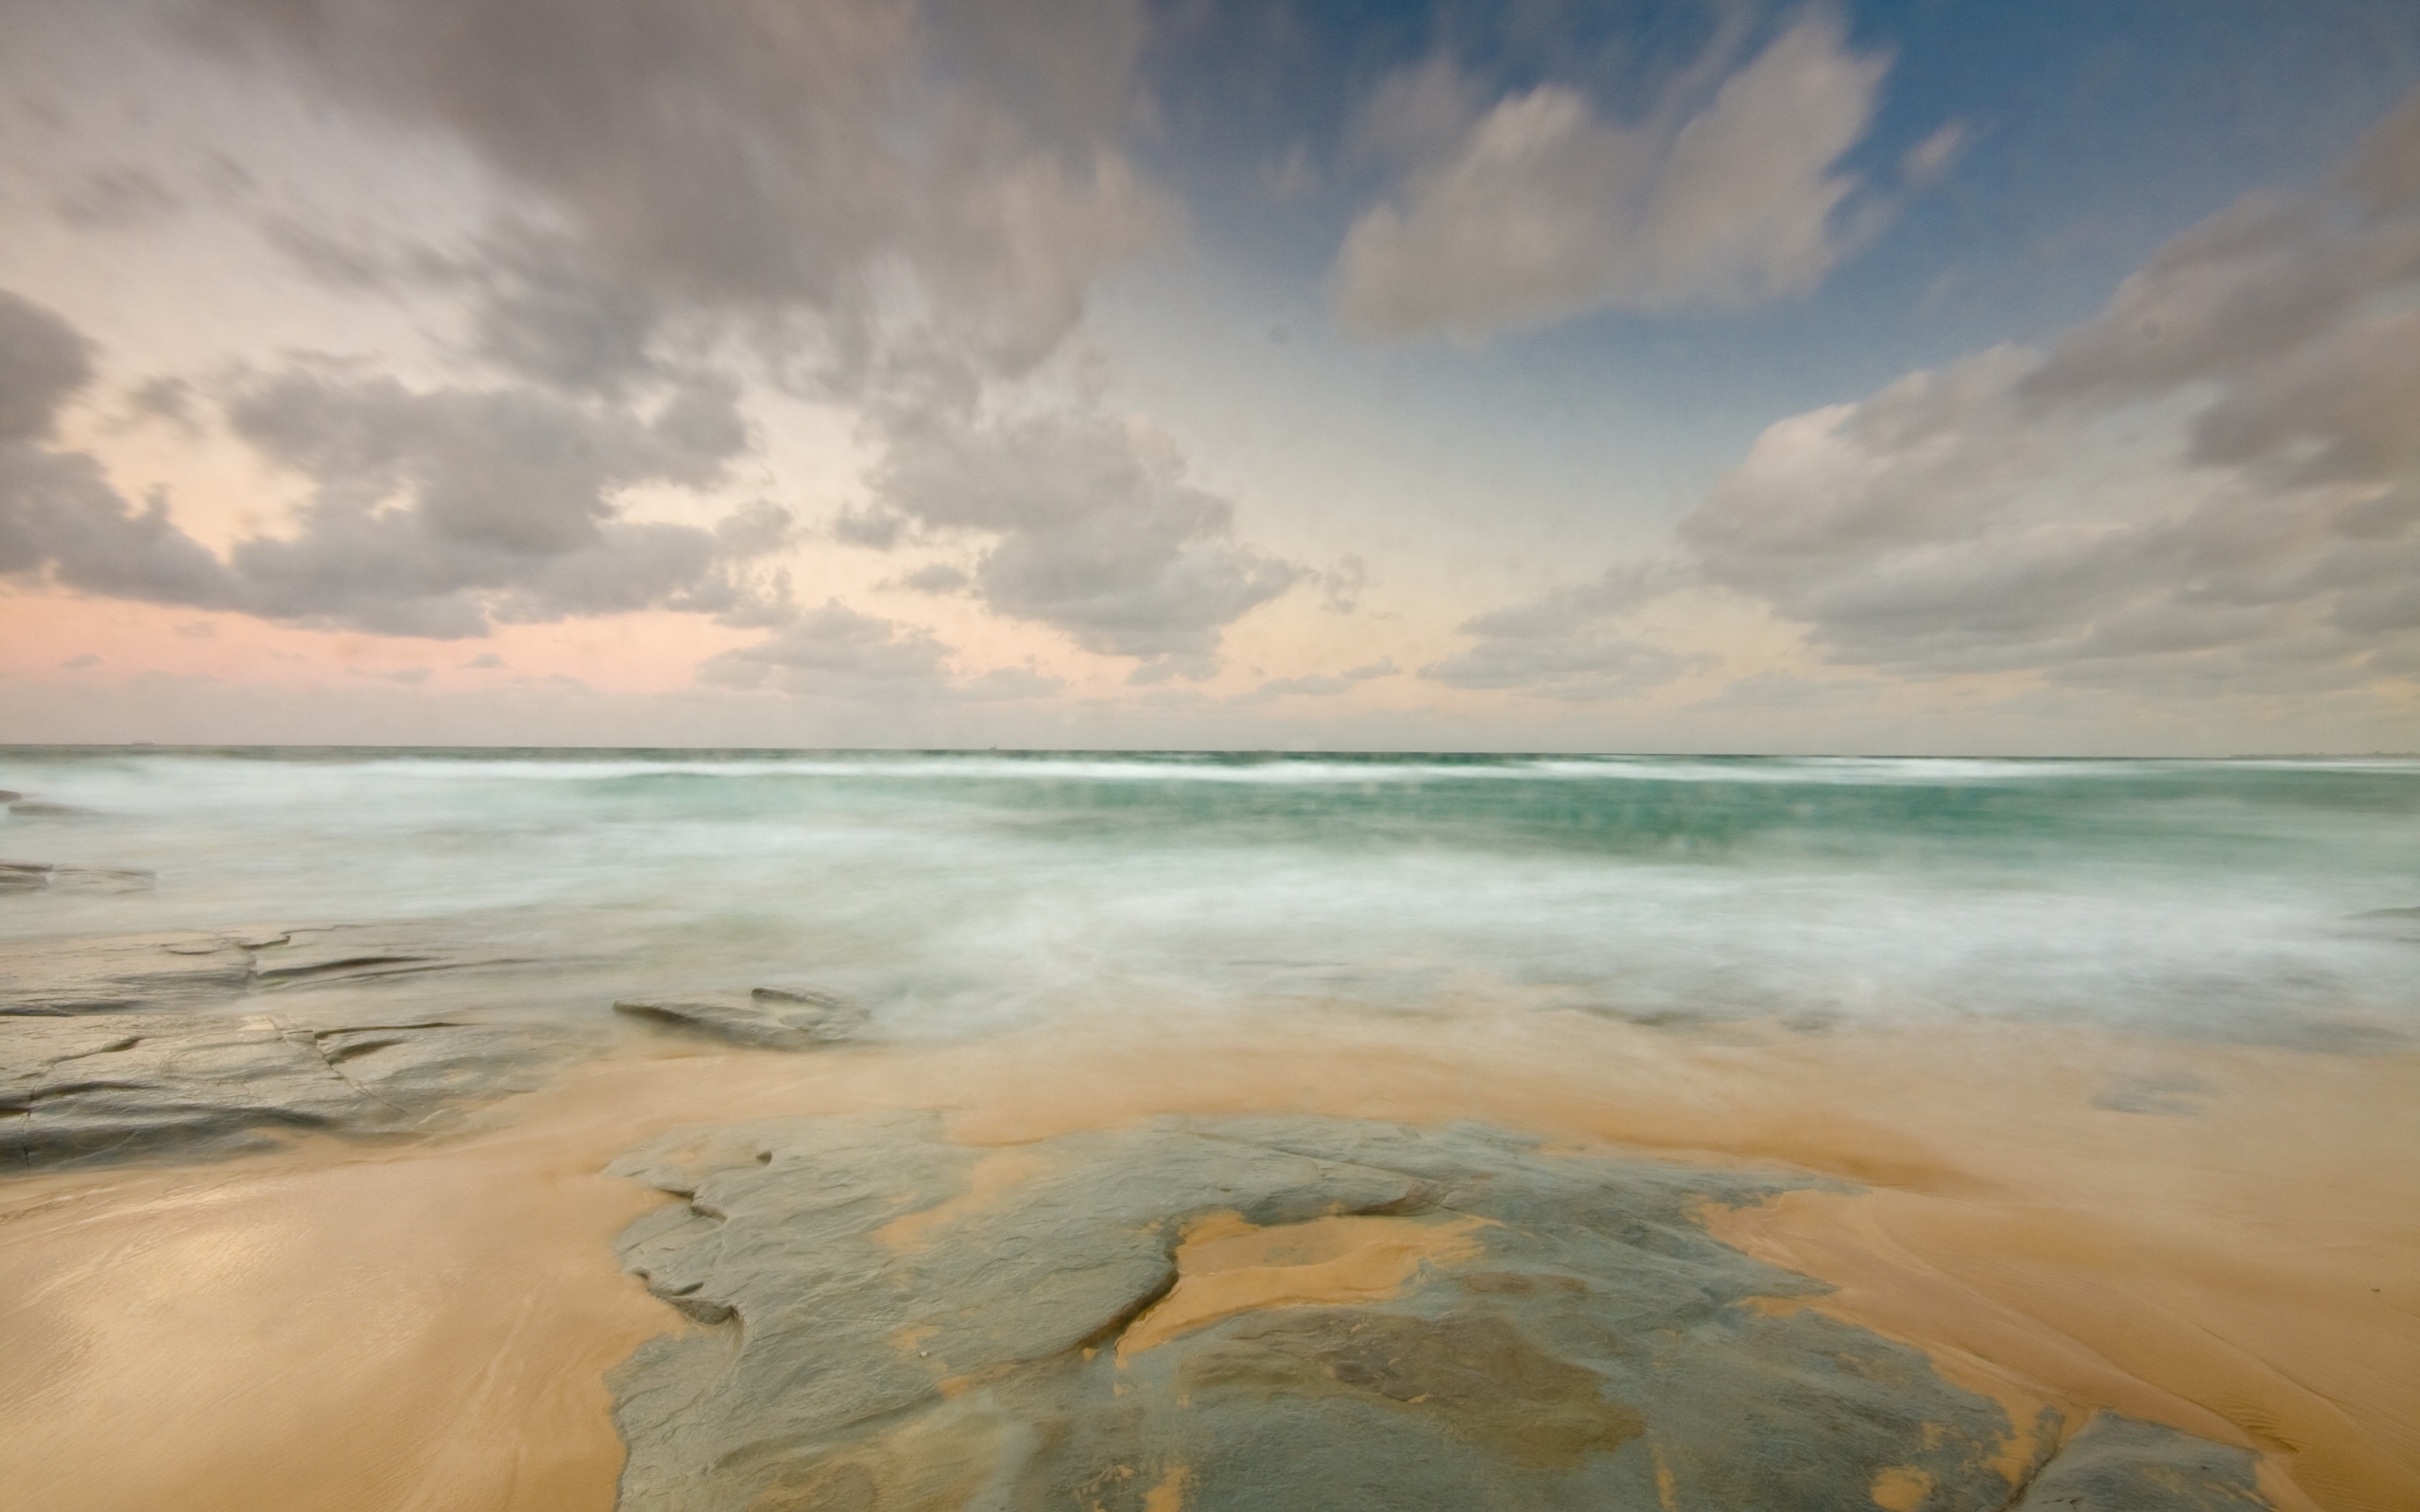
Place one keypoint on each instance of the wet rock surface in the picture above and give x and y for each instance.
(192, 968)
(887, 1319)
(768, 1017)
(2117, 1463)
(96, 1085)
(34, 876)
(121, 974)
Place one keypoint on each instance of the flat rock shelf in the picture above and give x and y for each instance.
(1270, 1313)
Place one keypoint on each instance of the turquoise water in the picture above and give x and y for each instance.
(961, 892)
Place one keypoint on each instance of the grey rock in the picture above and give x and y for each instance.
(351, 954)
(2117, 1463)
(106, 1085)
(768, 1016)
(1595, 1348)
(8, 796)
(122, 974)
(28, 876)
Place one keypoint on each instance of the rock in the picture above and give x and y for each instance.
(768, 1016)
(891, 1319)
(33, 810)
(122, 974)
(26, 876)
(108, 1085)
(345, 954)
(8, 796)
(2119, 1465)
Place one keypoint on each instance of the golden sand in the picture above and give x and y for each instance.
(347, 1327)
(1225, 1266)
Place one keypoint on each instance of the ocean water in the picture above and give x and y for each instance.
(957, 894)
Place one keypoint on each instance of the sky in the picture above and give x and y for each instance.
(1911, 377)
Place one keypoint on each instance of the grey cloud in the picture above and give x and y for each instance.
(78, 663)
(163, 398)
(1002, 685)
(1321, 684)
(937, 577)
(876, 529)
(114, 198)
(434, 512)
(837, 652)
(2212, 485)
(1341, 586)
(1565, 644)
(43, 361)
(1316, 685)
(759, 157)
(1094, 529)
(1538, 209)
(62, 522)
(437, 512)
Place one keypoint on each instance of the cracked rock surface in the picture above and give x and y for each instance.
(101, 1085)
(887, 1319)
(191, 969)
(770, 1018)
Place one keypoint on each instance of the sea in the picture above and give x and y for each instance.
(959, 893)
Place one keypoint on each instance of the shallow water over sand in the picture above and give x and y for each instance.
(2126, 1094)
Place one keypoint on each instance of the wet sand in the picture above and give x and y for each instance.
(2229, 1245)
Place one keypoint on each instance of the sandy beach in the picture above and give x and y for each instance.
(432, 1326)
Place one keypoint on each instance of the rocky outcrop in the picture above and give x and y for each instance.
(102, 1085)
(885, 1318)
(772, 1018)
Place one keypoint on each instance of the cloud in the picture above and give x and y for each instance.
(1567, 643)
(59, 518)
(78, 663)
(1539, 208)
(439, 512)
(1093, 527)
(2212, 486)
(434, 512)
(759, 158)
(1316, 685)
(834, 652)
(44, 362)
(1923, 164)
(118, 197)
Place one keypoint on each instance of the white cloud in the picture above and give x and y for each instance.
(2212, 486)
(1540, 207)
